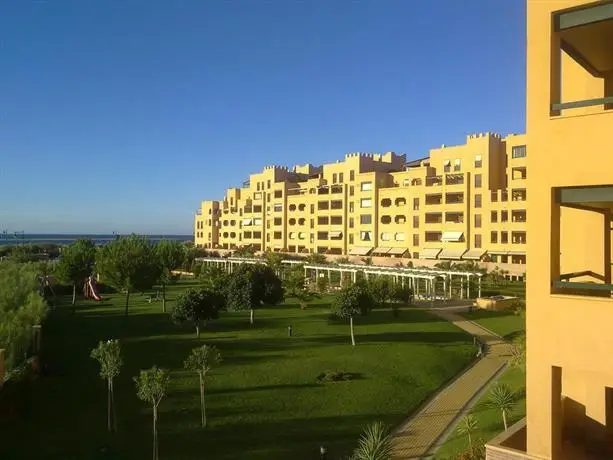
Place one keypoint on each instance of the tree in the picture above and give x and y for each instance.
(375, 443)
(273, 260)
(402, 294)
(468, 425)
(151, 387)
(21, 308)
(316, 259)
(294, 282)
(351, 301)
(108, 355)
(381, 289)
(518, 352)
(170, 255)
(197, 305)
(201, 360)
(128, 264)
(215, 279)
(251, 286)
(503, 399)
(77, 263)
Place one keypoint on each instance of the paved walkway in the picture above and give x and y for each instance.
(420, 435)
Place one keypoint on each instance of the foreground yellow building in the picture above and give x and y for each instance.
(461, 202)
(570, 311)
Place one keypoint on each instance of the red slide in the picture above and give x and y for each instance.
(92, 289)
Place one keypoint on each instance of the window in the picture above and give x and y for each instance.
(477, 180)
(478, 163)
(257, 209)
(292, 236)
(352, 175)
(257, 186)
(351, 190)
(519, 151)
(278, 208)
(312, 209)
(386, 236)
(278, 221)
(366, 186)
(340, 177)
(399, 236)
(504, 237)
(477, 201)
(301, 221)
(365, 219)
(386, 219)
(257, 221)
(415, 204)
(494, 237)
(415, 221)
(477, 220)
(292, 221)
(336, 204)
(278, 193)
(323, 205)
(457, 164)
(322, 220)
(292, 207)
(494, 216)
(351, 206)
(277, 235)
(351, 238)
(366, 203)
(447, 166)
(504, 216)
(257, 234)
(301, 207)
(267, 184)
(334, 178)
(477, 241)
(366, 236)
(322, 235)
(247, 234)
(351, 222)
(336, 220)
(400, 201)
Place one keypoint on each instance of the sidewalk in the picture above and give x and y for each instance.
(418, 436)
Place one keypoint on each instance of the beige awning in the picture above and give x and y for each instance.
(360, 250)
(397, 251)
(381, 250)
(429, 253)
(335, 234)
(292, 236)
(474, 254)
(452, 236)
(246, 221)
(516, 253)
(451, 254)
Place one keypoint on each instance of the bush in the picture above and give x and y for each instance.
(334, 376)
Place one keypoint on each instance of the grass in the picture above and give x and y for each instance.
(504, 323)
(489, 420)
(263, 401)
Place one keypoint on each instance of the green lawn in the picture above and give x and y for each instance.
(263, 401)
(489, 420)
(504, 323)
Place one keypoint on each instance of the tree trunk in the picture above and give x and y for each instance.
(197, 329)
(114, 414)
(74, 294)
(127, 301)
(108, 406)
(251, 316)
(351, 326)
(470, 443)
(504, 419)
(155, 432)
(164, 297)
(202, 400)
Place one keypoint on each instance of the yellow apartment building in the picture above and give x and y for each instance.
(570, 310)
(463, 202)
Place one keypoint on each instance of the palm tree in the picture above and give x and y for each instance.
(503, 399)
(468, 425)
(375, 443)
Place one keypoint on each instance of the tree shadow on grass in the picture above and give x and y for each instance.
(385, 337)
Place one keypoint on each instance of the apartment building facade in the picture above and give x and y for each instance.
(461, 202)
(569, 293)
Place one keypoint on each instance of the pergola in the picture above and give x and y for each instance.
(423, 281)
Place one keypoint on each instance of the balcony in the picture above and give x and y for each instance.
(434, 218)
(454, 217)
(454, 179)
(434, 199)
(518, 194)
(586, 35)
(454, 198)
(434, 181)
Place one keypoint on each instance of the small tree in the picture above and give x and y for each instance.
(294, 281)
(151, 387)
(77, 263)
(518, 353)
(273, 260)
(170, 255)
(128, 264)
(316, 259)
(197, 305)
(468, 425)
(108, 355)
(381, 289)
(322, 284)
(352, 301)
(251, 286)
(201, 360)
(503, 399)
(215, 279)
(375, 443)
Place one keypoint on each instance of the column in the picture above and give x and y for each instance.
(479, 286)
(468, 286)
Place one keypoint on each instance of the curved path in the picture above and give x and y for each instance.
(421, 435)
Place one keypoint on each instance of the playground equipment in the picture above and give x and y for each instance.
(90, 289)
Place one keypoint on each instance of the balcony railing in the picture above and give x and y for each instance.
(454, 179)
(584, 103)
(434, 181)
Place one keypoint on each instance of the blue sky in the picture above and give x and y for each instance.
(122, 115)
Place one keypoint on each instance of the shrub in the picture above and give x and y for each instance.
(334, 376)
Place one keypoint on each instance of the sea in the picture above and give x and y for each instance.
(67, 238)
